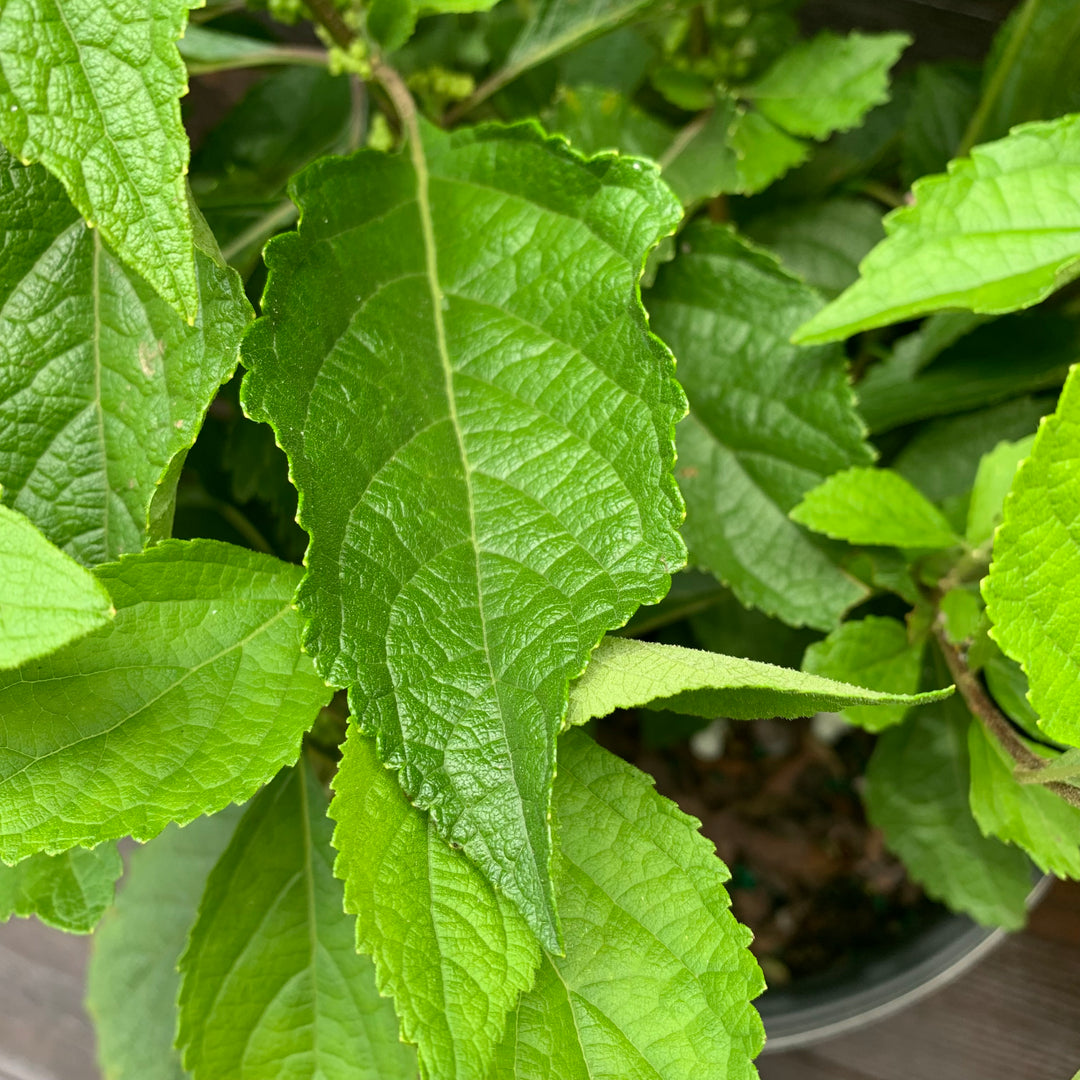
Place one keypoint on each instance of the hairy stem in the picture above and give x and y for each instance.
(329, 18)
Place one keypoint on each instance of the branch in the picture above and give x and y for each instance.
(329, 18)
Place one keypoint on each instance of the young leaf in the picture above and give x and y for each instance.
(471, 545)
(46, 598)
(1031, 589)
(917, 794)
(999, 231)
(91, 89)
(451, 951)
(626, 674)
(768, 421)
(874, 652)
(992, 482)
(874, 506)
(829, 83)
(102, 384)
(132, 982)
(69, 891)
(272, 985)
(1027, 815)
(191, 698)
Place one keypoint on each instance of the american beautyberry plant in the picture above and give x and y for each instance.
(529, 307)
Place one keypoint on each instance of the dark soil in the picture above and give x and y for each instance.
(809, 875)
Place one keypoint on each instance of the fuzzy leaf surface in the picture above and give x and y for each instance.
(874, 506)
(768, 422)
(999, 231)
(91, 89)
(191, 698)
(102, 383)
(625, 673)
(46, 598)
(452, 952)
(272, 986)
(1031, 594)
(132, 982)
(69, 891)
(471, 545)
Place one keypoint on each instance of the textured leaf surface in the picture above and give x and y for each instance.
(102, 384)
(132, 980)
(992, 483)
(669, 996)
(768, 422)
(874, 652)
(451, 951)
(191, 698)
(471, 545)
(69, 891)
(917, 794)
(91, 88)
(625, 673)
(272, 985)
(1035, 820)
(999, 231)
(874, 506)
(829, 83)
(1031, 593)
(46, 598)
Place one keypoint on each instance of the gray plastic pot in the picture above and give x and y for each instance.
(818, 1009)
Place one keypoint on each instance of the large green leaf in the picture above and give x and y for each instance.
(191, 698)
(69, 891)
(999, 231)
(470, 545)
(451, 951)
(91, 88)
(102, 384)
(768, 422)
(132, 982)
(46, 598)
(917, 794)
(625, 674)
(272, 985)
(1031, 593)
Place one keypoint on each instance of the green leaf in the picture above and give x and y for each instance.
(46, 598)
(963, 614)
(1035, 820)
(102, 384)
(1064, 767)
(874, 506)
(132, 982)
(595, 118)
(829, 83)
(91, 89)
(471, 547)
(768, 421)
(671, 996)
(999, 231)
(917, 794)
(452, 952)
(992, 482)
(874, 652)
(69, 891)
(626, 674)
(763, 152)
(272, 985)
(943, 101)
(1031, 589)
(191, 698)
(699, 161)
(1008, 686)
(206, 50)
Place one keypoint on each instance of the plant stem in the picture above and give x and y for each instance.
(992, 718)
(198, 498)
(884, 194)
(329, 18)
(285, 213)
(303, 55)
(1000, 73)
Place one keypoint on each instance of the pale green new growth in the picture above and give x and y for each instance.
(272, 986)
(874, 506)
(91, 89)
(999, 231)
(625, 673)
(1031, 591)
(992, 482)
(69, 891)
(191, 698)
(46, 598)
(471, 544)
